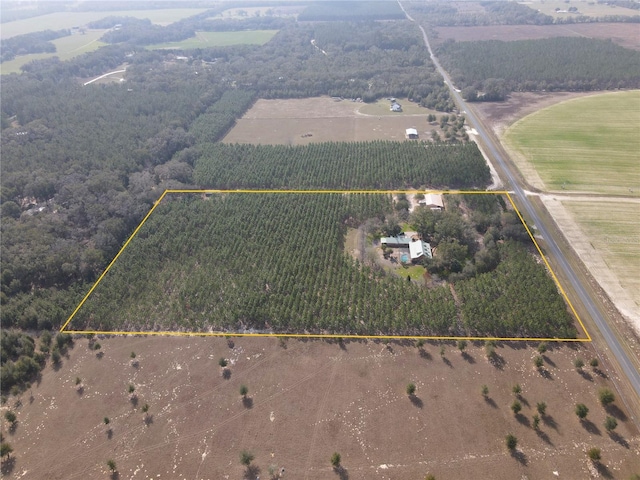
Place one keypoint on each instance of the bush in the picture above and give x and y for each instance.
(411, 389)
(246, 458)
(335, 460)
(594, 454)
(511, 441)
(541, 407)
(516, 406)
(606, 396)
(581, 411)
(610, 424)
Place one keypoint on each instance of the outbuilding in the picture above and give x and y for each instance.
(411, 133)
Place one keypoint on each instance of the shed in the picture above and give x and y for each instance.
(411, 133)
(433, 201)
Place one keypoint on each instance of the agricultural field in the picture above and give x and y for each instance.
(585, 7)
(624, 34)
(276, 263)
(219, 39)
(306, 400)
(62, 20)
(283, 11)
(585, 145)
(66, 48)
(321, 119)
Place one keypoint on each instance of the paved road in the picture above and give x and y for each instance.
(512, 184)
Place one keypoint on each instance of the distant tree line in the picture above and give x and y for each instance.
(489, 70)
(351, 10)
(38, 42)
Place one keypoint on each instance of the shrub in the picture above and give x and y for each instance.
(511, 441)
(581, 411)
(411, 389)
(335, 460)
(594, 454)
(606, 396)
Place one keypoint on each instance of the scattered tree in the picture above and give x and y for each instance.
(246, 458)
(133, 355)
(145, 408)
(542, 347)
(484, 390)
(55, 356)
(244, 390)
(106, 420)
(594, 363)
(430, 477)
(610, 424)
(97, 346)
(5, 450)
(516, 406)
(517, 390)
(594, 454)
(511, 441)
(111, 465)
(223, 362)
(10, 417)
(606, 396)
(581, 411)
(78, 381)
(578, 363)
(442, 350)
(132, 388)
(420, 343)
(411, 389)
(462, 344)
(541, 407)
(538, 361)
(536, 421)
(335, 460)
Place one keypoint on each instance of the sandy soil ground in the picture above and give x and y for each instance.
(309, 399)
(624, 34)
(303, 121)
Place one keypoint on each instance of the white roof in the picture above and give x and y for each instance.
(418, 249)
(412, 131)
(434, 199)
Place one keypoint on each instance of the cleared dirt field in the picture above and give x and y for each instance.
(624, 34)
(585, 7)
(308, 400)
(303, 121)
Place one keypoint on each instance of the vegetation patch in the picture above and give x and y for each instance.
(217, 39)
(588, 144)
(346, 10)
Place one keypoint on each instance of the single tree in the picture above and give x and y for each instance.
(541, 407)
(606, 396)
(430, 477)
(132, 388)
(5, 449)
(78, 381)
(10, 417)
(516, 406)
(133, 355)
(536, 421)
(581, 411)
(145, 408)
(335, 460)
(610, 424)
(111, 465)
(517, 390)
(462, 344)
(106, 420)
(542, 347)
(244, 390)
(55, 356)
(442, 351)
(594, 363)
(246, 458)
(511, 441)
(484, 390)
(97, 346)
(538, 361)
(594, 454)
(411, 389)
(223, 362)
(578, 363)
(419, 343)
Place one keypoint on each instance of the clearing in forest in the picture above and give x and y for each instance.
(274, 263)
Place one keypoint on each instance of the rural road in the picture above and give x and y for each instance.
(512, 184)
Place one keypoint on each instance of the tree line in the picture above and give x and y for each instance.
(38, 42)
(351, 10)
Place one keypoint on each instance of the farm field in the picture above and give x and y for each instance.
(307, 400)
(66, 48)
(585, 7)
(613, 230)
(266, 11)
(327, 121)
(624, 34)
(219, 39)
(60, 20)
(585, 145)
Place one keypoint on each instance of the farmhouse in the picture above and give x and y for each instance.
(433, 201)
(417, 248)
(411, 133)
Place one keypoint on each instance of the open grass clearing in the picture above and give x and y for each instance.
(383, 107)
(309, 399)
(66, 48)
(60, 20)
(219, 39)
(585, 7)
(613, 229)
(583, 145)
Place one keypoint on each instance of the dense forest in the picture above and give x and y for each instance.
(489, 70)
(276, 262)
(38, 42)
(352, 10)
(357, 165)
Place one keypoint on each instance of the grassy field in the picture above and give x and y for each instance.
(382, 107)
(583, 145)
(66, 48)
(588, 8)
(614, 230)
(60, 20)
(267, 11)
(219, 39)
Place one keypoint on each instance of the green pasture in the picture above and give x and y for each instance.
(219, 39)
(61, 20)
(66, 48)
(382, 107)
(613, 229)
(588, 8)
(588, 144)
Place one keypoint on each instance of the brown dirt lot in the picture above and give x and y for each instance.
(624, 34)
(308, 399)
(290, 122)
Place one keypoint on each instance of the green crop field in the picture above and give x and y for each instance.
(61, 20)
(66, 48)
(584, 145)
(219, 39)
(614, 230)
(588, 8)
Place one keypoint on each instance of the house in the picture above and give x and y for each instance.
(417, 248)
(433, 201)
(411, 133)
(401, 241)
(396, 107)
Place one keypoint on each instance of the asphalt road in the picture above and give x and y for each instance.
(512, 184)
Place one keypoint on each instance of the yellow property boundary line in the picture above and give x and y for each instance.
(320, 335)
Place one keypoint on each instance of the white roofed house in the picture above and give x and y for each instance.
(433, 201)
(419, 249)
